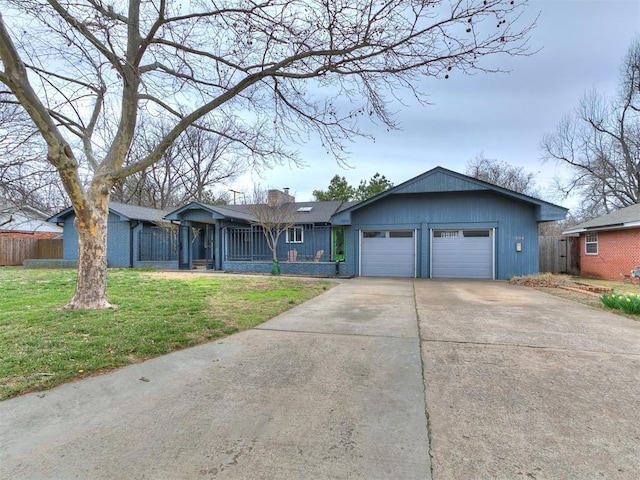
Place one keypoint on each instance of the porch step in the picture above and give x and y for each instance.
(199, 264)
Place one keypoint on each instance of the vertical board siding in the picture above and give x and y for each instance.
(514, 222)
(119, 251)
(440, 182)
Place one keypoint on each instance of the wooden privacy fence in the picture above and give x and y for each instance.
(559, 255)
(14, 250)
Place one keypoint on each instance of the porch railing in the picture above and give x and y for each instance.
(249, 244)
(158, 244)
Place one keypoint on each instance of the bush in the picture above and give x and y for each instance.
(627, 302)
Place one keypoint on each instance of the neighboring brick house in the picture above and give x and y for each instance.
(22, 221)
(610, 245)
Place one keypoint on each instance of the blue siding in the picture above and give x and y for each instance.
(349, 266)
(118, 241)
(69, 239)
(439, 182)
(314, 239)
(514, 222)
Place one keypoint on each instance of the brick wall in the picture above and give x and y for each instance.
(295, 268)
(618, 253)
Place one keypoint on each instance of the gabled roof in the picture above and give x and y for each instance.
(627, 217)
(441, 180)
(306, 212)
(17, 218)
(9, 207)
(217, 212)
(126, 213)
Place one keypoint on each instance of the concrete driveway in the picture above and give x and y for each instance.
(521, 384)
(375, 379)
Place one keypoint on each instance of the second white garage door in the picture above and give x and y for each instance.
(386, 253)
(462, 253)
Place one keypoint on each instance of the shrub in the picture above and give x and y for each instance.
(627, 302)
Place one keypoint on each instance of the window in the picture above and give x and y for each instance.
(373, 234)
(403, 234)
(591, 243)
(475, 233)
(445, 234)
(295, 235)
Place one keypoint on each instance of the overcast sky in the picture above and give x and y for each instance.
(502, 116)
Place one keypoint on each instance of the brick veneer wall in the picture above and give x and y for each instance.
(296, 268)
(618, 253)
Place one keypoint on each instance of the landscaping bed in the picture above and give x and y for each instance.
(587, 291)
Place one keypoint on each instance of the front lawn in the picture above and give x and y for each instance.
(42, 346)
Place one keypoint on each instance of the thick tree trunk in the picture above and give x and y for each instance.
(91, 285)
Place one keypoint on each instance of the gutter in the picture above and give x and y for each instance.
(615, 226)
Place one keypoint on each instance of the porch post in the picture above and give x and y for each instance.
(217, 256)
(184, 246)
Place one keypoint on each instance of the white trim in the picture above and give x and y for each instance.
(387, 231)
(295, 227)
(359, 253)
(431, 230)
(602, 228)
(492, 234)
(493, 253)
(415, 253)
(591, 243)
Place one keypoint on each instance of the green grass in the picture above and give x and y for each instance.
(42, 345)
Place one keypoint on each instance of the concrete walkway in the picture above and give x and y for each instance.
(516, 384)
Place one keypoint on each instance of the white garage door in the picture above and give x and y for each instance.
(388, 253)
(462, 253)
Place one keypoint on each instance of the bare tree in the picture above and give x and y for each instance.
(601, 144)
(503, 174)
(264, 74)
(25, 176)
(275, 214)
(189, 169)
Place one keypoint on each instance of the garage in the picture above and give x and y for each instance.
(387, 253)
(458, 253)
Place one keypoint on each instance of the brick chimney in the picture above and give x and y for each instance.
(277, 197)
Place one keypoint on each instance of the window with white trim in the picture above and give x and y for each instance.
(295, 235)
(591, 243)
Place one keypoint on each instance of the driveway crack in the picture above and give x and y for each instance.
(533, 347)
(424, 383)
